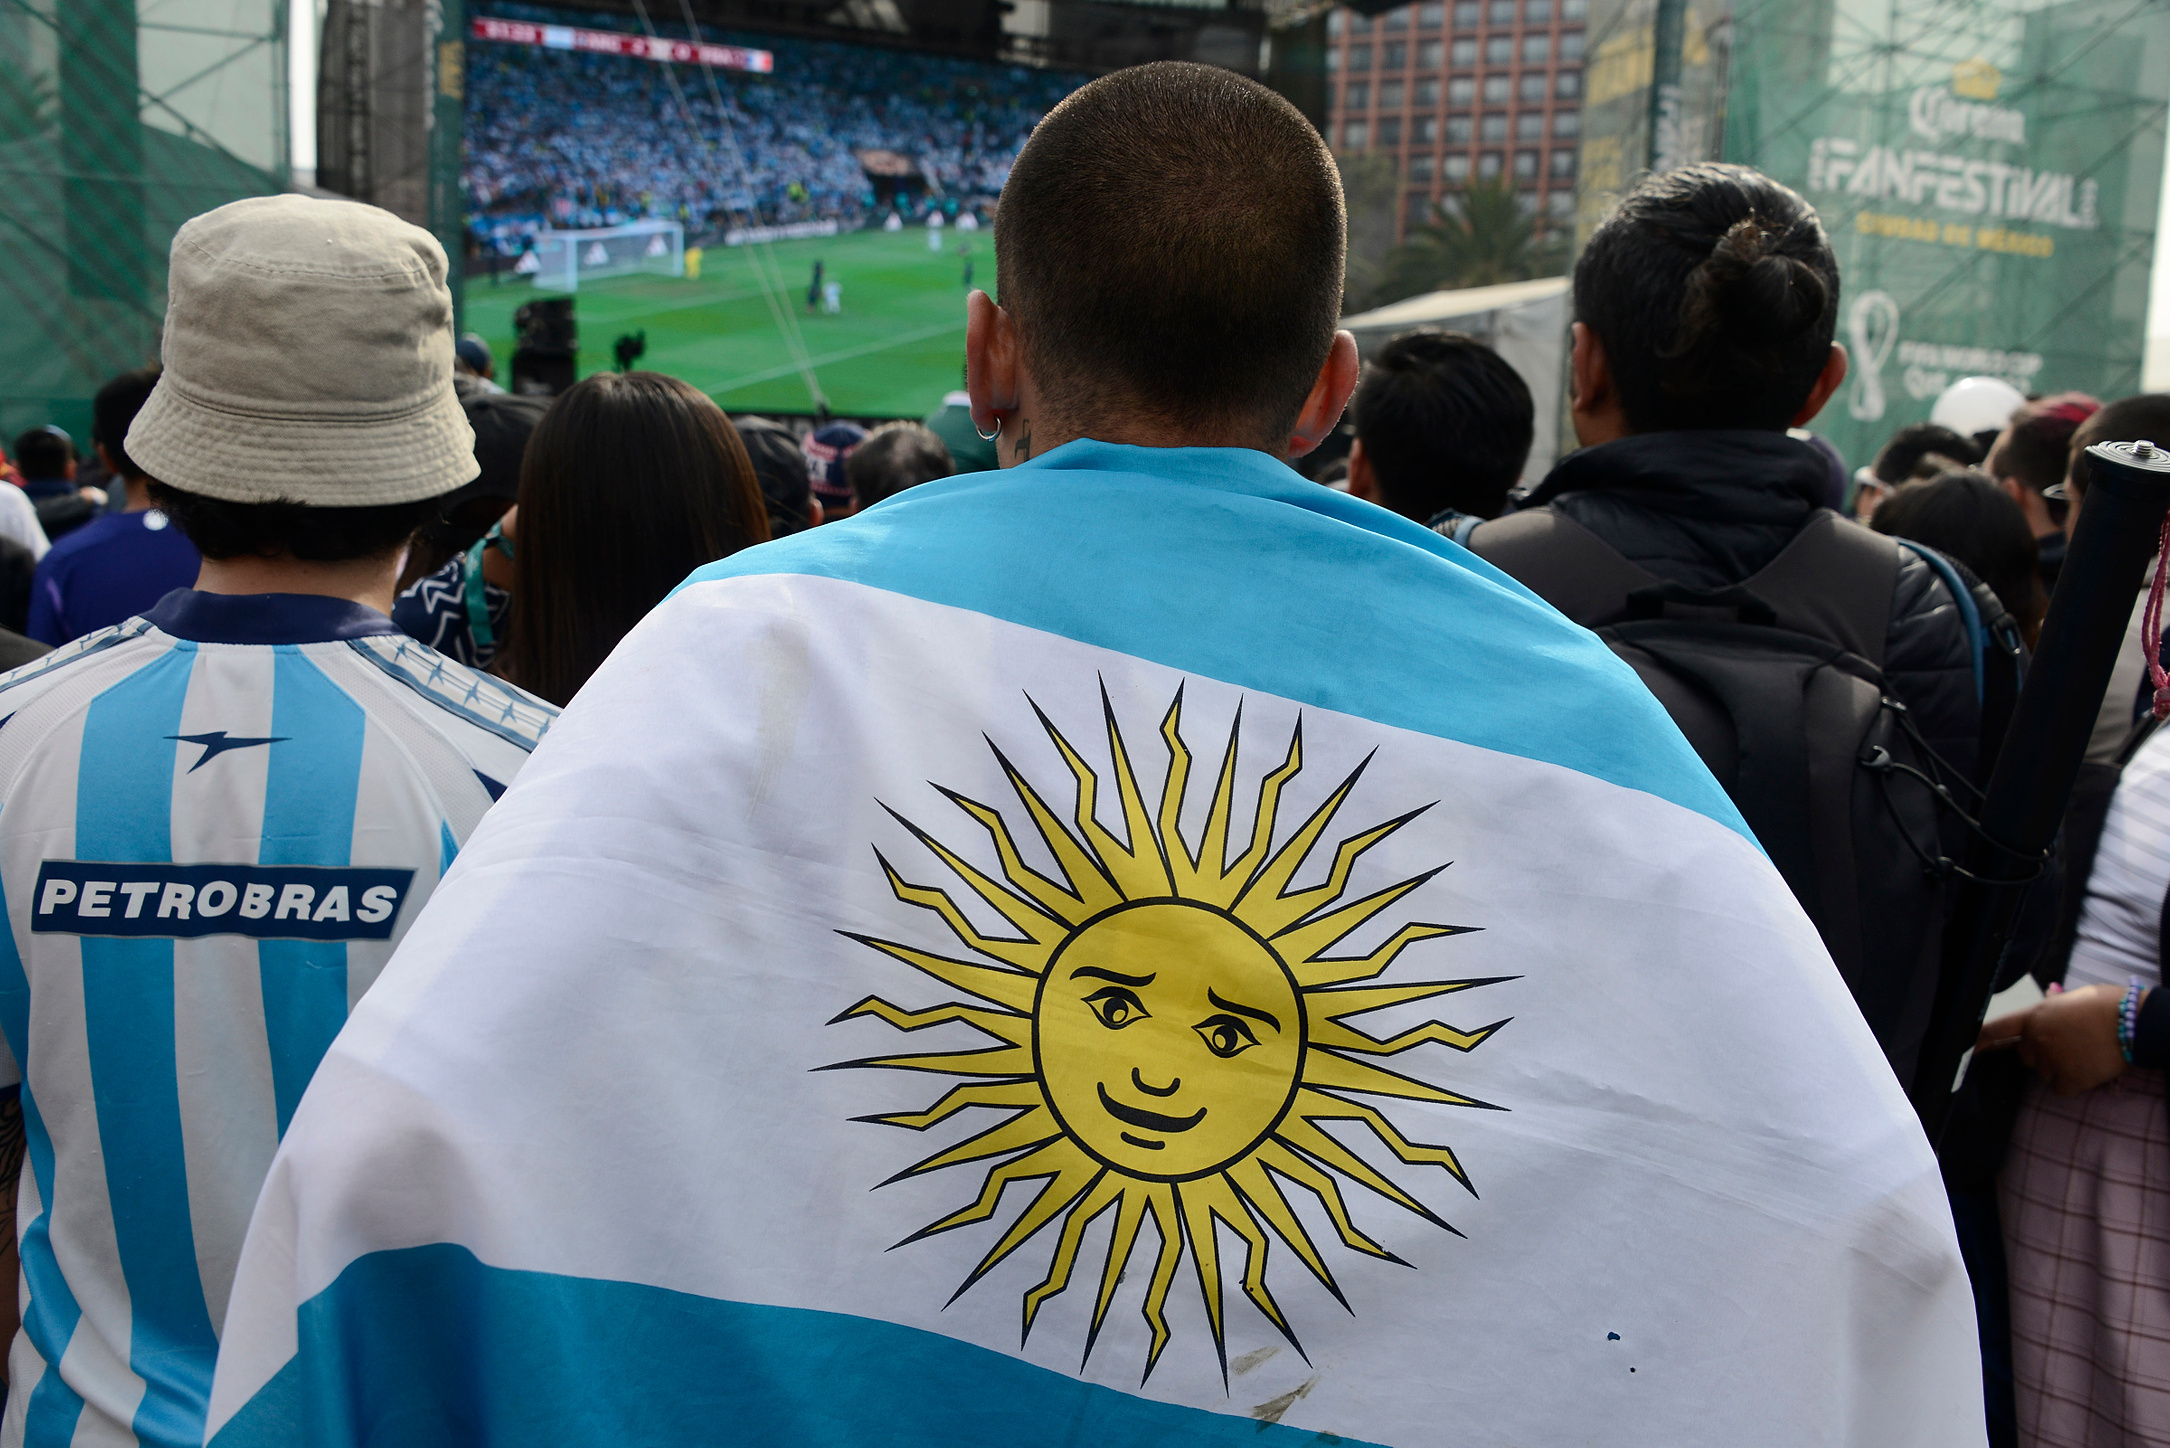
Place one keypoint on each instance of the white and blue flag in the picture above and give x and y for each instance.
(218, 820)
(1133, 949)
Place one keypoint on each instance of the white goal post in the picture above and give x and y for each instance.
(564, 258)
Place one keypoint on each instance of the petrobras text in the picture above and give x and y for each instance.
(267, 902)
(1952, 183)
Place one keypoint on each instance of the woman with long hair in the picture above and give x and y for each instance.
(630, 482)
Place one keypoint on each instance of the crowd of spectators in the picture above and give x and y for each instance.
(579, 139)
(490, 552)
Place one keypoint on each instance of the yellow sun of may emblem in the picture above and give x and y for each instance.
(1171, 1032)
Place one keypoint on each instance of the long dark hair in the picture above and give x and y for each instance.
(631, 481)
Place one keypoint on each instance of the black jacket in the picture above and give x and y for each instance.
(1709, 509)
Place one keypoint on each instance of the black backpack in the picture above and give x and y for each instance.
(1778, 683)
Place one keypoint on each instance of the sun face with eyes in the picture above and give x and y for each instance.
(1170, 1039)
(1170, 1033)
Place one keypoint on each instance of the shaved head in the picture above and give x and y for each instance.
(1170, 245)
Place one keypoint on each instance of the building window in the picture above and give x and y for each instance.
(1390, 95)
(1536, 49)
(1537, 12)
(1493, 128)
(1455, 168)
(1428, 92)
(1397, 19)
(1337, 22)
(1495, 90)
(1465, 53)
(1529, 126)
(1390, 135)
(1566, 123)
(1359, 58)
(1461, 91)
(1525, 162)
(1333, 58)
(1457, 130)
(1503, 12)
(1396, 57)
(1488, 165)
(1355, 96)
(1571, 45)
(1432, 16)
(1532, 86)
(1424, 130)
(1431, 54)
(1563, 163)
(1560, 204)
(1567, 84)
(1359, 22)
(1574, 9)
(1466, 13)
(1355, 135)
(1526, 203)
(1498, 49)
(1420, 167)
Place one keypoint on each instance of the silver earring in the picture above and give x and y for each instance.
(990, 436)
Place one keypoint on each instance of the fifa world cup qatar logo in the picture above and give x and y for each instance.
(1872, 331)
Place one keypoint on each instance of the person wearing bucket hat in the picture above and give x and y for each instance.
(283, 773)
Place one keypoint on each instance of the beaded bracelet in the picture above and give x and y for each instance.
(2128, 1017)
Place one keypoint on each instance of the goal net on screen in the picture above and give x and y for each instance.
(565, 259)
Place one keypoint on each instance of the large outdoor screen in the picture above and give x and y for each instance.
(831, 202)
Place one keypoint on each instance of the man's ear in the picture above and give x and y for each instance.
(990, 361)
(1363, 482)
(1329, 396)
(106, 458)
(1827, 382)
(1594, 400)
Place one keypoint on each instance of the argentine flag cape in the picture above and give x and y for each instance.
(1133, 949)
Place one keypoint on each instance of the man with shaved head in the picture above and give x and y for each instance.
(987, 972)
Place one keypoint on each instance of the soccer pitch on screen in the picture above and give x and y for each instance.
(895, 346)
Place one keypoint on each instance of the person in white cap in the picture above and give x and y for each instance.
(221, 816)
(1977, 407)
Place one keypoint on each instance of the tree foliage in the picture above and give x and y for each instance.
(1370, 191)
(1480, 237)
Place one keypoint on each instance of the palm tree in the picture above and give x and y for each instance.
(1479, 238)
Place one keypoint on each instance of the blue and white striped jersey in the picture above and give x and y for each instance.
(216, 821)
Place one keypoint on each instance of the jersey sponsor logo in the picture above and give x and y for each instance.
(266, 902)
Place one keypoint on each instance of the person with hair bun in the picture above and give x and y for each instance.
(1705, 309)
(1693, 530)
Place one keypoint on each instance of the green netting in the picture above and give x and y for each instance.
(1989, 171)
(119, 120)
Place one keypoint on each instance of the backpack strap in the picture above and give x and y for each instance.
(1970, 612)
(1834, 581)
(1563, 563)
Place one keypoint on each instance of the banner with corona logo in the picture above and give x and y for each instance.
(1134, 949)
(1989, 175)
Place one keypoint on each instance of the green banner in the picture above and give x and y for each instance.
(1989, 173)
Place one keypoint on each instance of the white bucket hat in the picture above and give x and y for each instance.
(308, 359)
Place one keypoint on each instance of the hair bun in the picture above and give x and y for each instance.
(1749, 290)
(1750, 284)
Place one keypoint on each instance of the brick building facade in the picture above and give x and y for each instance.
(1455, 90)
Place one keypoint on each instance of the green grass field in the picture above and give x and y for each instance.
(895, 349)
